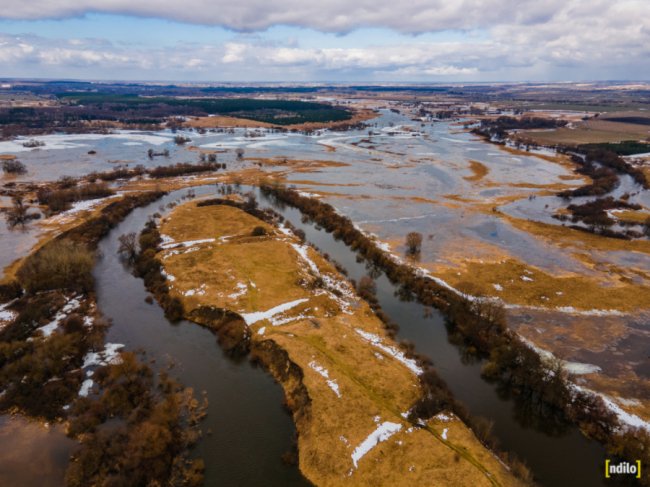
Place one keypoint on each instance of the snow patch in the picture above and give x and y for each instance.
(188, 243)
(576, 368)
(382, 433)
(241, 290)
(68, 308)
(394, 352)
(85, 387)
(323, 372)
(251, 318)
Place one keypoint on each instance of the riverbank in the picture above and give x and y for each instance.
(304, 318)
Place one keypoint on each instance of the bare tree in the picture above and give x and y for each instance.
(17, 214)
(128, 248)
(413, 243)
(366, 286)
(13, 167)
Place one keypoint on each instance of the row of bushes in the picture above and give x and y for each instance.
(594, 215)
(59, 198)
(602, 165)
(184, 168)
(498, 129)
(149, 268)
(480, 326)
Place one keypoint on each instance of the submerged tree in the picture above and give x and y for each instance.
(413, 243)
(13, 167)
(17, 214)
(128, 248)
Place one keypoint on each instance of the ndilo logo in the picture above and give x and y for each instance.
(622, 468)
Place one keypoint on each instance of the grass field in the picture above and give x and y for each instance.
(590, 131)
(356, 388)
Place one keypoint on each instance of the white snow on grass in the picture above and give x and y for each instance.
(498, 287)
(443, 417)
(285, 230)
(302, 252)
(85, 387)
(188, 243)
(5, 314)
(167, 276)
(200, 291)
(382, 433)
(261, 330)
(624, 417)
(69, 307)
(444, 433)
(322, 371)
(242, 289)
(110, 355)
(288, 319)
(393, 351)
(79, 206)
(526, 278)
(576, 368)
(341, 288)
(166, 239)
(251, 318)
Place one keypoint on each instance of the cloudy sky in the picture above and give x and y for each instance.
(326, 40)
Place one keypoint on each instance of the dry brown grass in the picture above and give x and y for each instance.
(224, 122)
(578, 291)
(478, 169)
(371, 383)
(590, 131)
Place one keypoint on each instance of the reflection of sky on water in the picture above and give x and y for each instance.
(428, 161)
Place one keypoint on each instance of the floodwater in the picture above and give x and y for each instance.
(404, 176)
(33, 454)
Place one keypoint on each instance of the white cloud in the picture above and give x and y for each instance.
(548, 40)
(338, 16)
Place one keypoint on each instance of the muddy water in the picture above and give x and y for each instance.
(557, 456)
(246, 430)
(33, 455)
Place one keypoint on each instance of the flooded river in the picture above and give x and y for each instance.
(404, 176)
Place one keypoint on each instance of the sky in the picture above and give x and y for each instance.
(326, 40)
